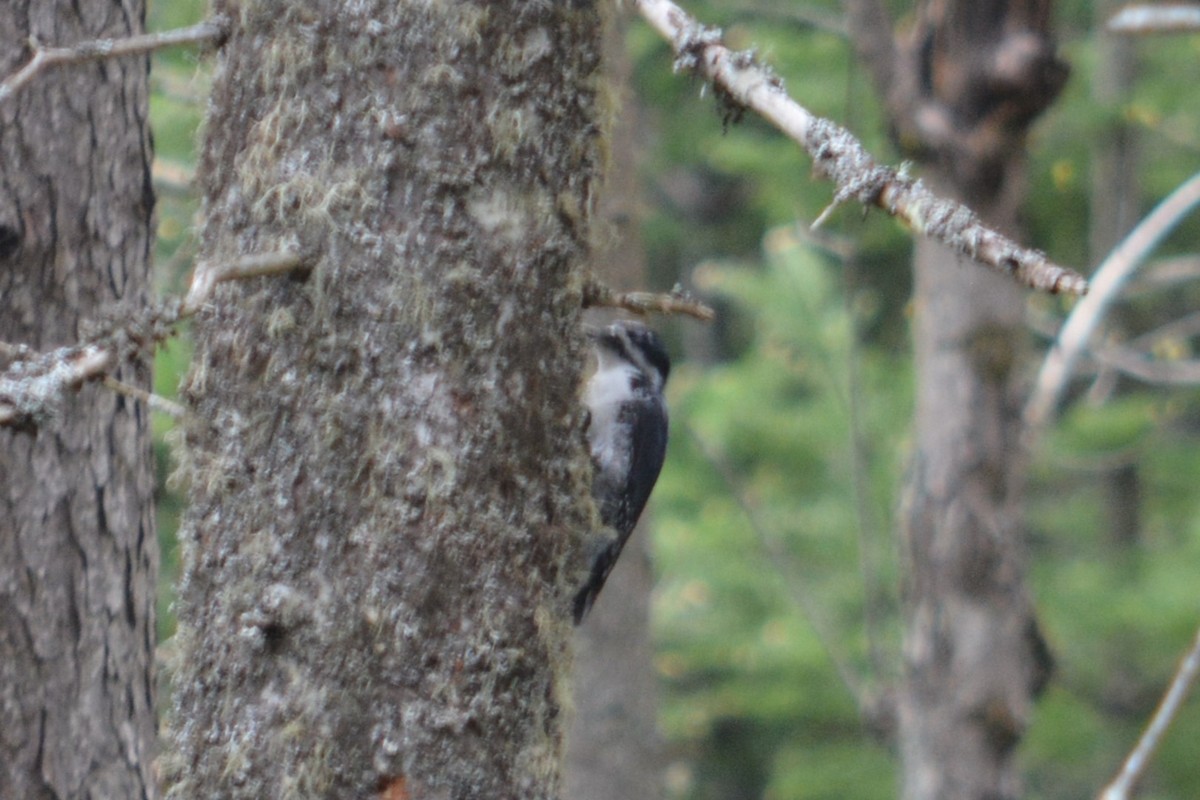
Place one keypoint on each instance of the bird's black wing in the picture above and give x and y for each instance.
(648, 422)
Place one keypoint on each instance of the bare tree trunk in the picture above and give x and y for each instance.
(961, 93)
(78, 553)
(386, 460)
(974, 659)
(614, 750)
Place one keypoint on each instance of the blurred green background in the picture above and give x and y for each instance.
(773, 521)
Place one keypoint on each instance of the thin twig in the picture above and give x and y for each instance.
(208, 274)
(1165, 273)
(1107, 283)
(33, 386)
(212, 30)
(155, 401)
(172, 176)
(678, 301)
(1139, 758)
(1139, 365)
(1177, 330)
(741, 82)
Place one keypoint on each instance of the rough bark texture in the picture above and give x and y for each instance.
(386, 460)
(614, 749)
(974, 658)
(78, 553)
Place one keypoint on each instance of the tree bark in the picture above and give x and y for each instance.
(974, 660)
(78, 553)
(386, 459)
(962, 91)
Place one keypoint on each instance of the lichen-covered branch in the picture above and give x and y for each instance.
(210, 31)
(31, 391)
(742, 82)
(33, 385)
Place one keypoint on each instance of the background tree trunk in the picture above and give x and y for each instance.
(78, 552)
(974, 657)
(614, 749)
(386, 459)
(961, 94)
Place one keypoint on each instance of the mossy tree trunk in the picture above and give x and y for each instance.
(78, 553)
(385, 458)
(961, 90)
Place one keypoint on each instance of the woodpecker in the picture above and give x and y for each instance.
(627, 435)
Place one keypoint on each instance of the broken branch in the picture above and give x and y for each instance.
(596, 294)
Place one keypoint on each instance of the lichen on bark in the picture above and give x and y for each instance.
(385, 459)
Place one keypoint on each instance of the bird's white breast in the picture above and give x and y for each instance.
(610, 388)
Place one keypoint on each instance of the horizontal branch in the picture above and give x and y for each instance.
(33, 386)
(212, 30)
(1147, 18)
(155, 401)
(1147, 369)
(741, 82)
(208, 274)
(597, 295)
